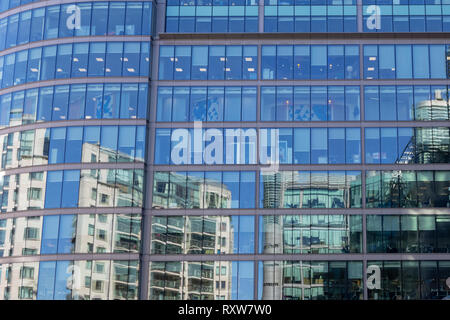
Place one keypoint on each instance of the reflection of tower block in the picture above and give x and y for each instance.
(273, 270)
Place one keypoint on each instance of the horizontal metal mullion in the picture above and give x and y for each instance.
(75, 166)
(306, 124)
(302, 167)
(304, 37)
(73, 123)
(301, 257)
(71, 211)
(71, 257)
(84, 80)
(297, 211)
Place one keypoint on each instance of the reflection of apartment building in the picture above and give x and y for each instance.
(194, 280)
(84, 279)
(191, 192)
(282, 235)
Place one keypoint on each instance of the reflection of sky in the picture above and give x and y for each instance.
(244, 234)
(242, 280)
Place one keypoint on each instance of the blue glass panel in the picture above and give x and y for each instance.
(111, 101)
(67, 229)
(353, 145)
(70, 188)
(60, 103)
(74, 143)
(301, 146)
(319, 146)
(198, 104)
(372, 145)
(319, 104)
(50, 230)
(336, 144)
(77, 101)
(46, 280)
(57, 145)
(247, 190)
(162, 146)
(180, 104)
(388, 145)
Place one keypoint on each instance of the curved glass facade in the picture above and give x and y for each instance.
(78, 60)
(48, 280)
(97, 19)
(224, 149)
(71, 233)
(74, 142)
(74, 102)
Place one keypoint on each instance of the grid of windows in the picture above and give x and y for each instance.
(310, 234)
(210, 104)
(406, 103)
(304, 103)
(96, 19)
(291, 145)
(72, 189)
(407, 145)
(204, 190)
(69, 233)
(54, 280)
(287, 62)
(203, 235)
(405, 61)
(324, 152)
(74, 102)
(411, 280)
(95, 59)
(212, 16)
(310, 280)
(407, 189)
(310, 189)
(90, 144)
(310, 16)
(208, 62)
(190, 280)
(409, 15)
(408, 234)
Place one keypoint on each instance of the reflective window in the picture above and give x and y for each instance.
(59, 189)
(222, 190)
(393, 189)
(310, 62)
(311, 189)
(311, 280)
(221, 280)
(418, 61)
(310, 234)
(211, 234)
(222, 146)
(211, 16)
(67, 60)
(53, 280)
(310, 16)
(408, 16)
(224, 62)
(77, 101)
(406, 103)
(206, 103)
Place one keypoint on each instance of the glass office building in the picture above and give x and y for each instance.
(225, 149)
